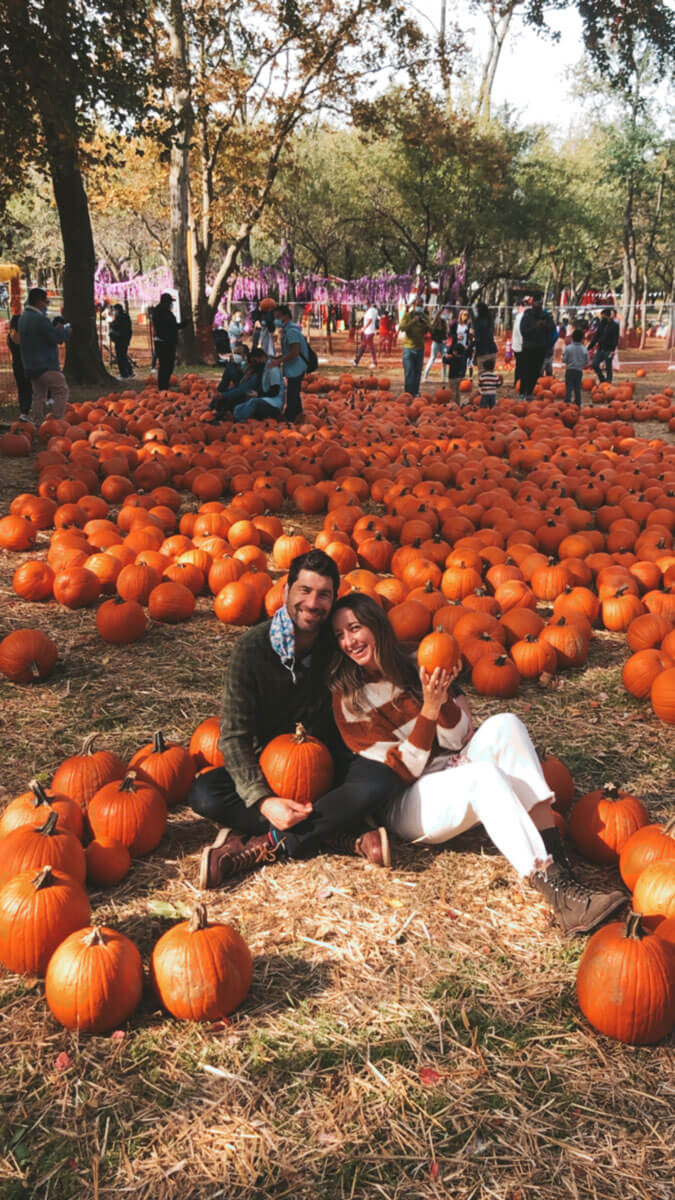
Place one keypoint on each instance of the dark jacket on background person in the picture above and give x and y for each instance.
(165, 325)
(606, 336)
(483, 334)
(120, 328)
(535, 328)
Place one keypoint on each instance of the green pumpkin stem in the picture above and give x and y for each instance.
(634, 928)
(39, 793)
(158, 742)
(199, 918)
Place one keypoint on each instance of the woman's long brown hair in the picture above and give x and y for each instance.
(347, 679)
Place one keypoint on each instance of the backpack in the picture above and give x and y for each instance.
(310, 358)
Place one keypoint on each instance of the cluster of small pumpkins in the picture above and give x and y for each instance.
(200, 970)
(465, 520)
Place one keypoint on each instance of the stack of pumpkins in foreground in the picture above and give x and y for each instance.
(203, 971)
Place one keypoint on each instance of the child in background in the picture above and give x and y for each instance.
(575, 358)
(488, 382)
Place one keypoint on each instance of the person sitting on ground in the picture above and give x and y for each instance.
(488, 382)
(276, 679)
(454, 778)
(575, 358)
(268, 400)
(239, 378)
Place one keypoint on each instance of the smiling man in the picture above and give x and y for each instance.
(277, 679)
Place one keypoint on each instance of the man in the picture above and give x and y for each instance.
(267, 398)
(293, 359)
(39, 341)
(368, 330)
(120, 336)
(277, 679)
(606, 338)
(414, 326)
(535, 328)
(166, 329)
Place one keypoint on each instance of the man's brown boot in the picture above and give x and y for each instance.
(233, 855)
(373, 845)
(577, 908)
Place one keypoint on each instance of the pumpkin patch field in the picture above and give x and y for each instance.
(323, 1029)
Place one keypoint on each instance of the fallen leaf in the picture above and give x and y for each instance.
(161, 908)
(62, 1062)
(219, 1026)
(324, 893)
(429, 1076)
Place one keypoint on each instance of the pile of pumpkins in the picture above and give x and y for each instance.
(526, 526)
(200, 970)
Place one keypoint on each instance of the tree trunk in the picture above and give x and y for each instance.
(83, 355)
(179, 178)
(499, 28)
(649, 250)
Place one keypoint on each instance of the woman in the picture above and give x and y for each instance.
(483, 332)
(439, 333)
(455, 779)
(457, 351)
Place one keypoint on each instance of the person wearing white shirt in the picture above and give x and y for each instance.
(368, 331)
(517, 341)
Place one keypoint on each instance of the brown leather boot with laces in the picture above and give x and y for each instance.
(234, 856)
(576, 907)
(373, 845)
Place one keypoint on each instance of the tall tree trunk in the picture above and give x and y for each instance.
(499, 28)
(649, 250)
(179, 177)
(83, 355)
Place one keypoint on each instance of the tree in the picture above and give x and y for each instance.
(62, 67)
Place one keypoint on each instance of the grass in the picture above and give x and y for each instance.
(408, 1034)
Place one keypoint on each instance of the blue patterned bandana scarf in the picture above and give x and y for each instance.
(282, 639)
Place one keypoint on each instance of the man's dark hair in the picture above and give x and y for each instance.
(284, 310)
(489, 364)
(578, 335)
(35, 295)
(606, 312)
(166, 298)
(317, 561)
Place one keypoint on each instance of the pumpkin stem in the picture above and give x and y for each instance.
(94, 937)
(199, 918)
(87, 745)
(300, 734)
(128, 784)
(634, 928)
(43, 878)
(158, 742)
(39, 793)
(50, 824)
(610, 790)
(34, 669)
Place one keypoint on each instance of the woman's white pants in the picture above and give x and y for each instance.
(498, 785)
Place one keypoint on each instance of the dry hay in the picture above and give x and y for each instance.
(409, 1034)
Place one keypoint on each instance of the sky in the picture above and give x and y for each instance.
(531, 77)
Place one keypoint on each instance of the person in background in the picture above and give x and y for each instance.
(238, 381)
(387, 331)
(547, 365)
(268, 399)
(457, 351)
(23, 384)
(535, 328)
(235, 328)
(166, 327)
(575, 358)
(414, 327)
(39, 341)
(120, 336)
(293, 359)
(606, 338)
(485, 345)
(439, 334)
(517, 341)
(368, 331)
(488, 382)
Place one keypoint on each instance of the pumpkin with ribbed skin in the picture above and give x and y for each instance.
(625, 985)
(641, 669)
(654, 892)
(602, 821)
(121, 622)
(29, 807)
(662, 695)
(297, 766)
(37, 911)
(33, 580)
(129, 811)
(287, 547)
(534, 657)
(171, 602)
(31, 847)
(202, 971)
(107, 861)
(94, 980)
(650, 843)
(204, 745)
(27, 656)
(438, 650)
(76, 587)
(82, 775)
(167, 765)
(559, 779)
(494, 674)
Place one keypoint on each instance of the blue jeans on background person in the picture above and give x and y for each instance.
(603, 356)
(488, 400)
(573, 384)
(256, 407)
(235, 395)
(413, 361)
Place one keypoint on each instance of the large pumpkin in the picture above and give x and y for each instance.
(37, 911)
(654, 892)
(167, 765)
(602, 821)
(204, 745)
(29, 848)
(82, 775)
(129, 811)
(201, 971)
(94, 980)
(27, 656)
(297, 766)
(438, 650)
(107, 861)
(649, 844)
(625, 985)
(29, 807)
